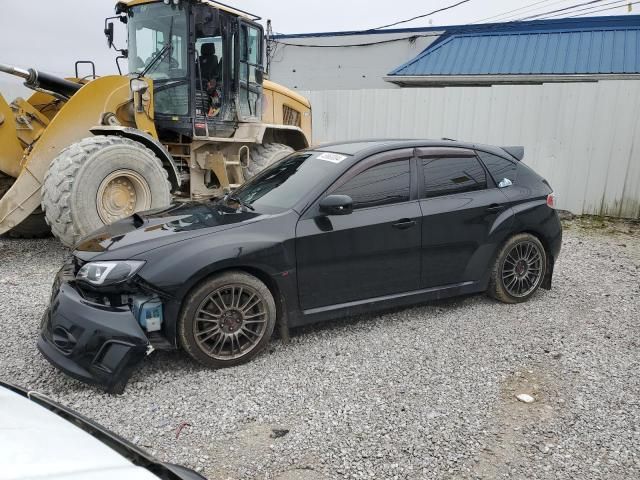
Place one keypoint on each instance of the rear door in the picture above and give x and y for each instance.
(374, 251)
(464, 216)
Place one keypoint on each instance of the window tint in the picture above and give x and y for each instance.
(380, 185)
(500, 168)
(448, 175)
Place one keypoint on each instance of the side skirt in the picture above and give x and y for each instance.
(319, 314)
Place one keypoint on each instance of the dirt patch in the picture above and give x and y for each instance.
(516, 422)
(617, 232)
(254, 441)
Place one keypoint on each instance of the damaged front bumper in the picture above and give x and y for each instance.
(90, 342)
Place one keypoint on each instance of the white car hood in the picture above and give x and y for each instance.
(38, 444)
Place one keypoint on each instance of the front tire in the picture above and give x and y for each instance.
(519, 269)
(227, 320)
(98, 181)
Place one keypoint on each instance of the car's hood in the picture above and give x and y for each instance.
(36, 443)
(148, 230)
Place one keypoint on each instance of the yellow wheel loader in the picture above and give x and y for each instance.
(192, 119)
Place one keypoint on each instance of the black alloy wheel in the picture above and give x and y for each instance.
(228, 320)
(519, 269)
(522, 269)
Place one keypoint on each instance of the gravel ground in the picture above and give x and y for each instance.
(426, 392)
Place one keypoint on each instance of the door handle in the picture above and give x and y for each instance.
(495, 208)
(404, 224)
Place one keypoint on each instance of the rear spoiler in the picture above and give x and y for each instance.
(515, 152)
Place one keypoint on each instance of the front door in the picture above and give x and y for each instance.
(251, 73)
(461, 208)
(372, 252)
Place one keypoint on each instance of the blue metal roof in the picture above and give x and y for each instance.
(602, 45)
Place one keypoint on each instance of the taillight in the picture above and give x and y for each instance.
(551, 200)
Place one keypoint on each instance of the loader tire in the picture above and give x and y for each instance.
(264, 155)
(98, 181)
(34, 226)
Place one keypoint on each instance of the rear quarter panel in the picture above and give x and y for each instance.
(528, 199)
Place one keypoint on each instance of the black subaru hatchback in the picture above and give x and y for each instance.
(340, 229)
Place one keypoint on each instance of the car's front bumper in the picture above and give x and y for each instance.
(92, 343)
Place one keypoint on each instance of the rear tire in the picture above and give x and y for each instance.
(98, 181)
(34, 226)
(519, 269)
(227, 320)
(264, 155)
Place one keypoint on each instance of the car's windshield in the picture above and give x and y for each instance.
(286, 182)
(150, 27)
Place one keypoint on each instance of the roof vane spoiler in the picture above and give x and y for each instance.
(515, 152)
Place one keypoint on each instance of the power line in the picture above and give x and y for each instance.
(526, 7)
(379, 42)
(603, 10)
(506, 26)
(420, 16)
(516, 17)
(621, 3)
(532, 17)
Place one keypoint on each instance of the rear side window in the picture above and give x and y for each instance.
(500, 168)
(449, 175)
(382, 184)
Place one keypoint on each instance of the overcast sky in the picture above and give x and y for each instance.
(58, 32)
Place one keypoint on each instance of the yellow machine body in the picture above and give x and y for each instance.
(43, 138)
(64, 112)
(34, 131)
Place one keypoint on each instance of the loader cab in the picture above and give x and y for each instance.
(206, 64)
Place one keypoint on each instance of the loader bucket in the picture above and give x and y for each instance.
(11, 150)
(72, 123)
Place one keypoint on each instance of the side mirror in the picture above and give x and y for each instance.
(336, 205)
(259, 76)
(108, 31)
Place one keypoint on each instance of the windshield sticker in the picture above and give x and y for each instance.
(332, 157)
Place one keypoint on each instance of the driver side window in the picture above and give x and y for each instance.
(382, 184)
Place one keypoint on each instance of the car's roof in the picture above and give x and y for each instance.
(363, 148)
(37, 443)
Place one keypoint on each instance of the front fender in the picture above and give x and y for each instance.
(264, 248)
(148, 141)
(180, 267)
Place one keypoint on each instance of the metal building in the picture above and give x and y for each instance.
(344, 60)
(568, 90)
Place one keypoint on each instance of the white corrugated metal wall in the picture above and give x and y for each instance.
(583, 137)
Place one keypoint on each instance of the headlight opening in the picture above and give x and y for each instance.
(108, 273)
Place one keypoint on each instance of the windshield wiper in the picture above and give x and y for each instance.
(166, 49)
(238, 200)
